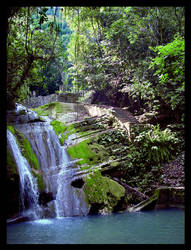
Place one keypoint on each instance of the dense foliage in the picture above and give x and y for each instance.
(37, 57)
(128, 53)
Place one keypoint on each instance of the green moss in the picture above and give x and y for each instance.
(63, 130)
(90, 153)
(103, 190)
(58, 126)
(82, 151)
(156, 194)
(85, 167)
(11, 128)
(27, 151)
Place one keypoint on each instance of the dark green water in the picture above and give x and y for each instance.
(153, 227)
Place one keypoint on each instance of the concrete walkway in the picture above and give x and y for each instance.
(124, 115)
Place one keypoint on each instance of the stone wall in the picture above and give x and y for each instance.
(68, 97)
(34, 102)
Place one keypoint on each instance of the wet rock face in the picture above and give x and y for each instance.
(44, 198)
(78, 183)
(12, 186)
(164, 197)
(121, 205)
(95, 208)
(22, 115)
(49, 210)
(170, 197)
(13, 195)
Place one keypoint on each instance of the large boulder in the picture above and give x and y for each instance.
(103, 194)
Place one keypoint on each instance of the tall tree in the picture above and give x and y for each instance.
(27, 45)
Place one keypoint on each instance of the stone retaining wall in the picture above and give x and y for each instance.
(34, 102)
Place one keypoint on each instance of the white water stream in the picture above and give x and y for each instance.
(28, 186)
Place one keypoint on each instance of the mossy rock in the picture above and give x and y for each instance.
(102, 192)
(40, 181)
(82, 151)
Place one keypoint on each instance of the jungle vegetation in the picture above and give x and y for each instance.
(132, 54)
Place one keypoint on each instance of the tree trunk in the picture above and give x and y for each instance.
(131, 190)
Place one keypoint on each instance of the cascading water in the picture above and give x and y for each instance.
(69, 200)
(28, 185)
(57, 169)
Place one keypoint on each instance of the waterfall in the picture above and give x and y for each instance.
(28, 185)
(56, 167)
(70, 201)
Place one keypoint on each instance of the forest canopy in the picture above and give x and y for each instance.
(132, 54)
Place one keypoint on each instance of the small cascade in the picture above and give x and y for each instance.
(57, 169)
(47, 149)
(70, 201)
(28, 185)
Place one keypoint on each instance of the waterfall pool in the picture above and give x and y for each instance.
(164, 226)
